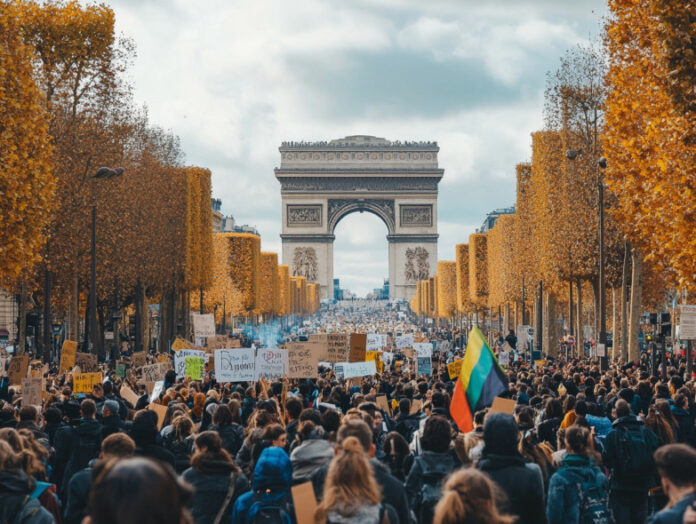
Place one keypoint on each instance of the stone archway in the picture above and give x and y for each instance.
(322, 182)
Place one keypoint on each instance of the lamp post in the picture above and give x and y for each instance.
(572, 154)
(103, 173)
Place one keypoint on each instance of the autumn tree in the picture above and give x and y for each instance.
(447, 288)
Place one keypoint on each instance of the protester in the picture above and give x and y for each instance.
(676, 465)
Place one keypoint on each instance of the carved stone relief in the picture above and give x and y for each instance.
(339, 184)
(417, 264)
(304, 215)
(416, 215)
(304, 263)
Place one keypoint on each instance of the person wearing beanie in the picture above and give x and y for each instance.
(521, 482)
(111, 421)
(147, 441)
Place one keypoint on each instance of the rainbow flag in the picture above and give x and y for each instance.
(481, 380)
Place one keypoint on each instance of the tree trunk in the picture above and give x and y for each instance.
(506, 318)
(624, 303)
(140, 308)
(101, 316)
(636, 292)
(579, 340)
(613, 323)
(74, 314)
(22, 334)
(595, 308)
(550, 325)
(571, 324)
(166, 319)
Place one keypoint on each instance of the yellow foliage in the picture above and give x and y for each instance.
(433, 299)
(268, 294)
(478, 268)
(464, 304)
(244, 266)
(504, 277)
(447, 288)
(285, 292)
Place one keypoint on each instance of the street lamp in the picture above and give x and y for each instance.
(572, 154)
(103, 173)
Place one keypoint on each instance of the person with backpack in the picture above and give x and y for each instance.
(579, 490)
(230, 431)
(75, 447)
(430, 468)
(270, 501)
(628, 454)
(407, 424)
(351, 493)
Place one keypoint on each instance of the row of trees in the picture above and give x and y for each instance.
(631, 101)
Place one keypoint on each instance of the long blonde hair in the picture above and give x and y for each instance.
(349, 482)
(469, 496)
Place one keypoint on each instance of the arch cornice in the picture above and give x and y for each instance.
(339, 208)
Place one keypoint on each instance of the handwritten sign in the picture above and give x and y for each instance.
(454, 368)
(203, 325)
(271, 363)
(18, 369)
(84, 382)
(156, 390)
(180, 360)
(87, 362)
(302, 361)
(139, 358)
(355, 369)
(404, 341)
(67, 355)
(120, 370)
(377, 357)
(358, 343)
(155, 372)
(194, 368)
(161, 412)
(423, 349)
(337, 347)
(424, 365)
(179, 344)
(129, 395)
(503, 405)
(376, 342)
(31, 391)
(235, 365)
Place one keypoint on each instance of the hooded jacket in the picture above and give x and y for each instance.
(66, 442)
(271, 483)
(211, 481)
(16, 504)
(309, 456)
(428, 463)
(563, 503)
(612, 458)
(232, 437)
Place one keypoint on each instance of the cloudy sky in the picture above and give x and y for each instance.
(234, 78)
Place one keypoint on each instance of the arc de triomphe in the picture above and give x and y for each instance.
(322, 182)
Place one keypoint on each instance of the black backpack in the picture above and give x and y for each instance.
(270, 512)
(431, 490)
(635, 457)
(594, 502)
(85, 448)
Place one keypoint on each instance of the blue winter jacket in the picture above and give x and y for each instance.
(272, 481)
(563, 503)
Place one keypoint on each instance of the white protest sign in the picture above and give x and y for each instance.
(504, 358)
(687, 322)
(387, 357)
(376, 342)
(203, 325)
(423, 349)
(31, 391)
(156, 390)
(404, 341)
(235, 365)
(271, 363)
(355, 369)
(180, 360)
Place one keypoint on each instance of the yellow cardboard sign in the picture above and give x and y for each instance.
(84, 382)
(67, 355)
(454, 368)
(377, 357)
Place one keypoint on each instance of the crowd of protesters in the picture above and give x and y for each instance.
(581, 445)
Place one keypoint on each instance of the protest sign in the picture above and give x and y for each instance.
(355, 369)
(453, 369)
(156, 390)
(304, 502)
(383, 403)
(67, 355)
(203, 325)
(163, 358)
(129, 395)
(358, 342)
(120, 370)
(377, 357)
(179, 344)
(423, 349)
(416, 406)
(503, 358)
(404, 341)
(376, 342)
(387, 357)
(31, 391)
(84, 382)
(161, 413)
(87, 362)
(271, 363)
(424, 365)
(155, 372)
(235, 365)
(194, 368)
(337, 347)
(18, 369)
(302, 361)
(502, 405)
(180, 360)
(234, 343)
(218, 342)
(139, 358)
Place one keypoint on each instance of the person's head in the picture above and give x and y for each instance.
(349, 479)
(623, 408)
(469, 496)
(404, 407)
(553, 409)
(52, 415)
(117, 445)
(275, 434)
(144, 427)
(109, 408)
(207, 449)
(222, 416)
(676, 465)
(437, 434)
(577, 440)
(183, 427)
(137, 490)
(28, 414)
(500, 434)
(358, 429)
(395, 445)
(293, 408)
(88, 408)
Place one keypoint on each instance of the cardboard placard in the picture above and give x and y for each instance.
(156, 390)
(194, 368)
(355, 369)
(234, 343)
(235, 365)
(423, 349)
(376, 342)
(404, 341)
(424, 365)
(203, 325)
(155, 372)
(454, 368)
(271, 363)
(31, 391)
(503, 405)
(383, 403)
(129, 395)
(302, 361)
(180, 360)
(305, 503)
(139, 358)
(161, 413)
(358, 344)
(87, 362)
(120, 370)
(67, 355)
(163, 358)
(179, 344)
(377, 357)
(337, 347)
(85, 382)
(18, 369)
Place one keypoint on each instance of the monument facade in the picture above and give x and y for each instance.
(322, 182)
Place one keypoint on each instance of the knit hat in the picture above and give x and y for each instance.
(112, 406)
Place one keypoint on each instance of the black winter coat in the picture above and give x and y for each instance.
(211, 482)
(232, 437)
(523, 486)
